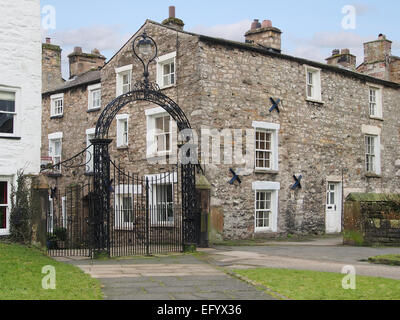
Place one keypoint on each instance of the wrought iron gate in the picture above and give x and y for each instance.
(145, 215)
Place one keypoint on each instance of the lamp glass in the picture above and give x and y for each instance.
(145, 47)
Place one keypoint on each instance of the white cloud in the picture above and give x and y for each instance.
(233, 31)
(321, 44)
(363, 9)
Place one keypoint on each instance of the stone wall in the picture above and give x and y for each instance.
(372, 219)
(317, 140)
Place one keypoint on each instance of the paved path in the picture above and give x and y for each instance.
(316, 256)
(180, 277)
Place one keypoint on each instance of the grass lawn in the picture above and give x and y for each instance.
(21, 277)
(310, 285)
(390, 259)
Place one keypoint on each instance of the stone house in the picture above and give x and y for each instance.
(20, 97)
(335, 131)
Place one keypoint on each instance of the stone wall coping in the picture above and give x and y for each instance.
(373, 197)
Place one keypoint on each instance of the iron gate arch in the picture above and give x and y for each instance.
(100, 221)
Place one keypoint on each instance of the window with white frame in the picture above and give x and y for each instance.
(57, 105)
(94, 97)
(375, 102)
(8, 111)
(90, 134)
(127, 197)
(124, 79)
(159, 132)
(162, 199)
(5, 191)
(370, 147)
(313, 84)
(55, 148)
(266, 146)
(123, 131)
(266, 206)
(166, 70)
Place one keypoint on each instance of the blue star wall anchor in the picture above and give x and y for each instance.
(275, 105)
(235, 178)
(297, 183)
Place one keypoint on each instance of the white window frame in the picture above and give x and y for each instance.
(161, 61)
(9, 181)
(121, 133)
(121, 192)
(53, 99)
(378, 102)
(273, 188)
(17, 92)
(90, 133)
(316, 95)
(375, 132)
(91, 90)
(273, 129)
(151, 116)
(52, 138)
(50, 218)
(64, 212)
(120, 73)
(155, 181)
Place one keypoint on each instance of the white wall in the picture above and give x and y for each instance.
(20, 66)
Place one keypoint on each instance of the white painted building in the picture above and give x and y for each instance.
(20, 96)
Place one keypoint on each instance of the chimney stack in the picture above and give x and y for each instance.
(80, 62)
(51, 66)
(264, 34)
(342, 59)
(377, 59)
(172, 21)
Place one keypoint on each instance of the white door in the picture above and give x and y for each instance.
(334, 208)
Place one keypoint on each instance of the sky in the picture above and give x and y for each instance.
(311, 28)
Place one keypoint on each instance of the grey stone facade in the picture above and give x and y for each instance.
(227, 85)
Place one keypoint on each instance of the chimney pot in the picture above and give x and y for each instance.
(96, 51)
(172, 11)
(48, 40)
(78, 50)
(266, 24)
(335, 52)
(345, 51)
(255, 24)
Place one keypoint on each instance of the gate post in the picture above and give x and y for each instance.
(191, 216)
(100, 217)
(203, 195)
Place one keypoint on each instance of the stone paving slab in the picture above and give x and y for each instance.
(166, 278)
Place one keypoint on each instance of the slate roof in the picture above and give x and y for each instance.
(89, 77)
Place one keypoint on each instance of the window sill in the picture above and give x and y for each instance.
(376, 118)
(261, 171)
(264, 231)
(93, 110)
(163, 225)
(158, 156)
(53, 175)
(122, 148)
(373, 175)
(57, 117)
(167, 87)
(10, 138)
(315, 101)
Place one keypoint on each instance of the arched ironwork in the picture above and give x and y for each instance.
(148, 92)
